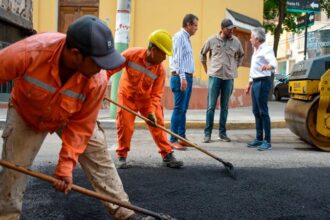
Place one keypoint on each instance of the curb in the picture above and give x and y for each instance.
(231, 125)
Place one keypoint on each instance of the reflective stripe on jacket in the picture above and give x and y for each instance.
(47, 105)
(140, 80)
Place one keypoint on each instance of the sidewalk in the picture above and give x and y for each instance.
(238, 118)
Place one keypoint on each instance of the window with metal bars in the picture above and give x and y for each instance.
(5, 88)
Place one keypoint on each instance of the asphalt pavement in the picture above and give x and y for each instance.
(289, 182)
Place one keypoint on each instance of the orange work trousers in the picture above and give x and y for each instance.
(125, 126)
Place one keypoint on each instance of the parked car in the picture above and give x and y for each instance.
(281, 86)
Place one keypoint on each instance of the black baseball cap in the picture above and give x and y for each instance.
(227, 23)
(93, 38)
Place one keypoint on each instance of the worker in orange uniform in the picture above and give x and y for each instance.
(141, 89)
(59, 87)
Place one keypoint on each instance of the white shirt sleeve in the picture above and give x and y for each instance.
(270, 58)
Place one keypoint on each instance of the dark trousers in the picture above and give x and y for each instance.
(181, 103)
(260, 91)
(223, 88)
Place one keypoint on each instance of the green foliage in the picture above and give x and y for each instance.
(271, 15)
(325, 5)
(270, 9)
(277, 19)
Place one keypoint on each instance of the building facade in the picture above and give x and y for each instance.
(292, 45)
(148, 15)
(15, 24)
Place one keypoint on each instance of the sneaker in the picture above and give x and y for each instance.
(136, 216)
(265, 146)
(254, 143)
(122, 163)
(224, 138)
(170, 161)
(207, 139)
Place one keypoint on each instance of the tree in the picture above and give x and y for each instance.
(277, 19)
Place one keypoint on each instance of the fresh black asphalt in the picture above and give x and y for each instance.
(194, 192)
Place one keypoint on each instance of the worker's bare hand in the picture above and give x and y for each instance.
(152, 117)
(183, 84)
(63, 183)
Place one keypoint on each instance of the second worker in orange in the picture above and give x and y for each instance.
(141, 89)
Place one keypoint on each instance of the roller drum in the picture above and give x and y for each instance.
(300, 117)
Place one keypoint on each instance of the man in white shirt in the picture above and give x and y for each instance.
(262, 64)
(182, 69)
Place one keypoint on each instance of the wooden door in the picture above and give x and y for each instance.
(70, 10)
(244, 38)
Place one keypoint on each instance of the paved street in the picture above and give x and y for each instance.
(289, 182)
(199, 57)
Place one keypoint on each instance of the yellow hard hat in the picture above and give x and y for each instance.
(163, 40)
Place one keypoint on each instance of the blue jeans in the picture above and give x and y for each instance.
(260, 91)
(181, 103)
(216, 87)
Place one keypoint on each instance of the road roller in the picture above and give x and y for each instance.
(307, 113)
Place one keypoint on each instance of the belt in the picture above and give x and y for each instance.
(177, 74)
(261, 78)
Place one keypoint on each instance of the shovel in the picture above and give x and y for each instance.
(229, 167)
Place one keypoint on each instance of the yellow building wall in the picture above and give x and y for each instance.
(45, 15)
(107, 12)
(148, 15)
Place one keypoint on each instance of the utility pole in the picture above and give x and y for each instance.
(121, 43)
(306, 33)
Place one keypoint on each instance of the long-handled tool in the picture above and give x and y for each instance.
(229, 167)
(85, 191)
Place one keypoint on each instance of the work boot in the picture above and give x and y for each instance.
(136, 216)
(122, 163)
(170, 161)
(223, 137)
(10, 216)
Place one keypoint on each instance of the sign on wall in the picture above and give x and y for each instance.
(318, 43)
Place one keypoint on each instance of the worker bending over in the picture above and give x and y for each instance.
(59, 87)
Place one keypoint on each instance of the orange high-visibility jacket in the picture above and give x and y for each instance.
(44, 103)
(141, 80)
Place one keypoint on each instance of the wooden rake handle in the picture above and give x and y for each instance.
(189, 143)
(229, 167)
(82, 190)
